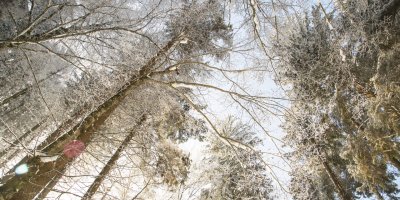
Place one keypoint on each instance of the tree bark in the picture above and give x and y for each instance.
(22, 137)
(335, 180)
(64, 127)
(25, 89)
(28, 185)
(110, 164)
(13, 96)
(17, 141)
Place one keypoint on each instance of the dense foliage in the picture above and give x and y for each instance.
(343, 70)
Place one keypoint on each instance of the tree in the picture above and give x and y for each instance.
(126, 78)
(96, 32)
(334, 59)
(203, 23)
(236, 174)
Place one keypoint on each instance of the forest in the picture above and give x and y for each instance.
(200, 99)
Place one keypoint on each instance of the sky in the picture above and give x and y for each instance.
(220, 106)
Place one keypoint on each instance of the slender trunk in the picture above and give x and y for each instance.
(22, 137)
(27, 186)
(11, 109)
(17, 141)
(335, 180)
(64, 127)
(14, 96)
(50, 185)
(110, 164)
(24, 90)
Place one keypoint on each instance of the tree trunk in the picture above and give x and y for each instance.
(335, 180)
(110, 164)
(21, 138)
(13, 96)
(16, 142)
(25, 89)
(64, 127)
(28, 185)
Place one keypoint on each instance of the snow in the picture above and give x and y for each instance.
(184, 41)
(46, 159)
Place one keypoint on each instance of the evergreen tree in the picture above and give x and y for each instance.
(237, 174)
(334, 60)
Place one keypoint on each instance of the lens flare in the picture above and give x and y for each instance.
(22, 169)
(73, 149)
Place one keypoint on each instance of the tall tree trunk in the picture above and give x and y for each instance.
(14, 96)
(66, 126)
(21, 138)
(110, 164)
(26, 88)
(27, 186)
(335, 180)
(40, 174)
(16, 142)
